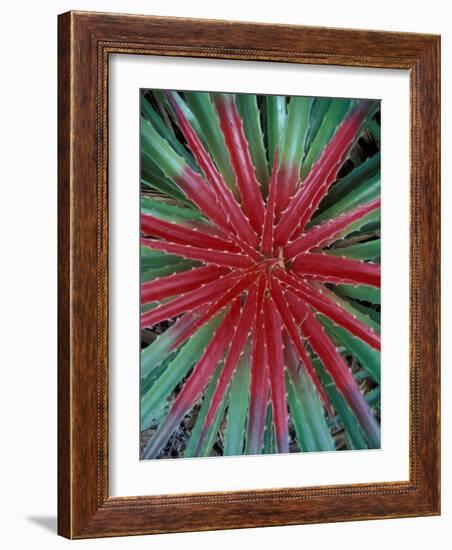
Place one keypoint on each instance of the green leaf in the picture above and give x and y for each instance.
(337, 110)
(155, 354)
(365, 312)
(147, 307)
(162, 100)
(151, 259)
(212, 434)
(374, 129)
(307, 413)
(161, 186)
(269, 434)
(170, 212)
(305, 438)
(176, 371)
(146, 383)
(360, 225)
(200, 419)
(360, 312)
(360, 292)
(295, 131)
(355, 437)
(156, 121)
(368, 357)
(275, 108)
(234, 434)
(361, 251)
(160, 151)
(364, 193)
(199, 424)
(359, 175)
(249, 111)
(360, 375)
(187, 112)
(153, 178)
(373, 397)
(202, 108)
(151, 274)
(318, 111)
(158, 413)
(371, 226)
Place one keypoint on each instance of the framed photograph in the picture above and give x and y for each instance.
(248, 275)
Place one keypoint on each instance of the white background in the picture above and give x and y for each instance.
(128, 476)
(28, 275)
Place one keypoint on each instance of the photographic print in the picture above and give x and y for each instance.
(260, 274)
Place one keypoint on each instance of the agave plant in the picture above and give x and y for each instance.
(260, 274)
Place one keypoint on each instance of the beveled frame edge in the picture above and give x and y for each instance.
(85, 41)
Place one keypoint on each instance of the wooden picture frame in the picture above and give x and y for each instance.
(86, 40)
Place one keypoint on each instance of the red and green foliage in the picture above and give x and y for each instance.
(260, 274)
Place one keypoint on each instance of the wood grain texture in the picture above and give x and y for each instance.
(85, 42)
(64, 294)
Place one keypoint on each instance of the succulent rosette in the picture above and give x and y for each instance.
(260, 274)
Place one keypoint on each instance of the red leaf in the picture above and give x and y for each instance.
(339, 371)
(242, 284)
(224, 195)
(196, 383)
(324, 172)
(196, 190)
(269, 219)
(287, 180)
(325, 233)
(289, 322)
(237, 146)
(335, 269)
(241, 334)
(258, 389)
(208, 292)
(228, 259)
(276, 374)
(156, 290)
(176, 233)
(328, 308)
